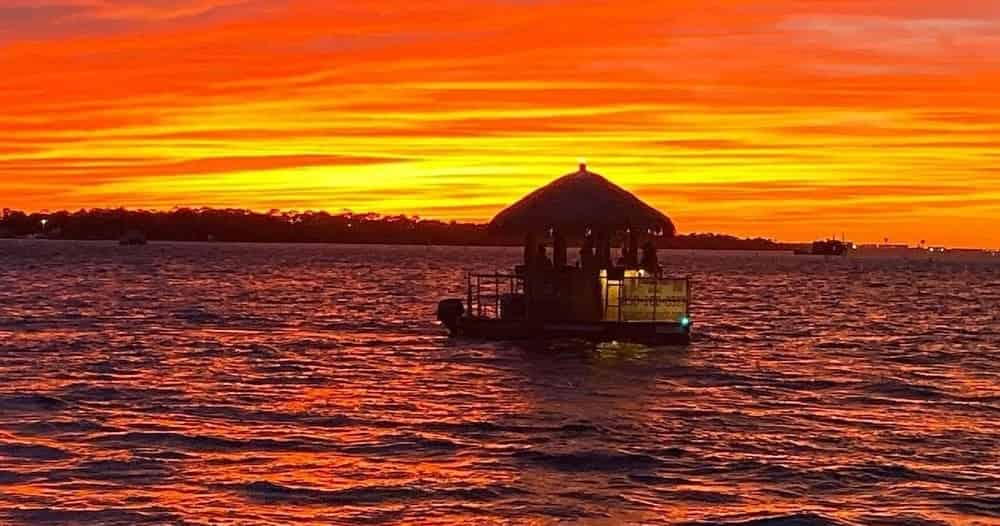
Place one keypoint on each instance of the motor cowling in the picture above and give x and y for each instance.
(449, 313)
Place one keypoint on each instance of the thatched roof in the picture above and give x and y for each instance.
(578, 201)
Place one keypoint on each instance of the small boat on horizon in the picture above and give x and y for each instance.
(132, 237)
(829, 247)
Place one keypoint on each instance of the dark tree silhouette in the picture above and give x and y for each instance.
(210, 224)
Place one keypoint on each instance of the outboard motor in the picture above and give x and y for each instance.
(449, 313)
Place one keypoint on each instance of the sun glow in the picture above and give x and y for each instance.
(790, 120)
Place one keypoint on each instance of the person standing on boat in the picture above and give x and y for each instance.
(530, 250)
(558, 249)
(603, 251)
(542, 260)
(630, 252)
(650, 262)
(587, 258)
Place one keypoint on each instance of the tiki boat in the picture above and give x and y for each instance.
(603, 296)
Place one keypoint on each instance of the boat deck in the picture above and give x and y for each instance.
(615, 305)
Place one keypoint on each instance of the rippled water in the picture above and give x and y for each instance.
(278, 384)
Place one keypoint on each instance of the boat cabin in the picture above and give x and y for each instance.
(594, 299)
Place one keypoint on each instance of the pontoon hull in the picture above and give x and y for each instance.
(653, 333)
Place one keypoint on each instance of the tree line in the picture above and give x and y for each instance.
(239, 225)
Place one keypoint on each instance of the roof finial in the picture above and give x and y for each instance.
(583, 164)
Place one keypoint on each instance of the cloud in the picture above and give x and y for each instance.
(728, 115)
(39, 20)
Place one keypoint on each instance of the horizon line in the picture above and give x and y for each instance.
(455, 221)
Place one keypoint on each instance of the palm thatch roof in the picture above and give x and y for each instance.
(579, 201)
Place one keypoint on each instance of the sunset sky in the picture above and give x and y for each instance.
(791, 119)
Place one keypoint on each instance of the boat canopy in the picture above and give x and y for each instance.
(579, 202)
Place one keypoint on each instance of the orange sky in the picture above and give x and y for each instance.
(792, 119)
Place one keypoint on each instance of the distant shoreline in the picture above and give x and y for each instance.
(246, 226)
(359, 243)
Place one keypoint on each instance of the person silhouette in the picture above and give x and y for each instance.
(587, 257)
(542, 260)
(650, 262)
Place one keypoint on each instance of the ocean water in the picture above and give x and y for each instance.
(295, 384)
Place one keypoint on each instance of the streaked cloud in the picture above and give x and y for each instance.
(783, 118)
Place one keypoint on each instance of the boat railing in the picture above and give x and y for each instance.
(630, 296)
(486, 292)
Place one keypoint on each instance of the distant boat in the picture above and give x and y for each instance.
(132, 237)
(932, 253)
(830, 247)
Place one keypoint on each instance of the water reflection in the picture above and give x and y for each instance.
(270, 384)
